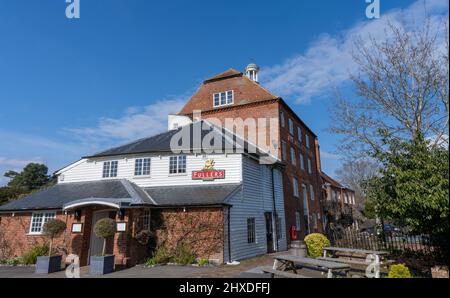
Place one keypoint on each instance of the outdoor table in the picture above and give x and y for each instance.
(377, 255)
(290, 262)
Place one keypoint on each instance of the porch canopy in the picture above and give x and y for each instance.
(119, 193)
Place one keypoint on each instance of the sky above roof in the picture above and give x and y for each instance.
(69, 88)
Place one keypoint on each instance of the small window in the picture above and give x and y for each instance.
(298, 221)
(299, 134)
(314, 218)
(177, 164)
(307, 141)
(146, 220)
(283, 150)
(293, 158)
(110, 169)
(302, 162)
(282, 120)
(291, 126)
(38, 219)
(309, 166)
(295, 187)
(311, 192)
(251, 230)
(305, 198)
(142, 167)
(223, 98)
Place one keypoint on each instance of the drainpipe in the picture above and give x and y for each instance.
(274, 206)
(229, 233)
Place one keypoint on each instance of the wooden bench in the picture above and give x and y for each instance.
(290, 262)
(275, 272)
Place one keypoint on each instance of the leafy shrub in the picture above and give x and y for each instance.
(143, 237)
(13, 262)
(51, 229)
(399, 271)
(203, 262)
(315, 243)
(30, 256)
(160, 256)
(105, 228)
(183, 255)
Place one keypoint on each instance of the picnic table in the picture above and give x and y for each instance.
(291, 262)
(375, 256)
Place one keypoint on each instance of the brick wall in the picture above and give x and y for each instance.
(271, 109)
(126, 249)
(200, 228)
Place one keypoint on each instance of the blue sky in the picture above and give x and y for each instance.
(73, 87)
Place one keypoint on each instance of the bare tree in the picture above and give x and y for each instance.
(401, 86)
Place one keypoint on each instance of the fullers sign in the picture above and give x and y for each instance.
(208, 173)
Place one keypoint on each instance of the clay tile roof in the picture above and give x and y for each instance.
(245, 91)
(226, 74)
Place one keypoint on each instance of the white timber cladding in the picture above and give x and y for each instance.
(255, 198)
(92, 170)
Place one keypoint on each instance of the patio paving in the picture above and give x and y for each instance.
(246, 268)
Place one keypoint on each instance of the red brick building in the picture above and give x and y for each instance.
(231, 95)
(338, 202)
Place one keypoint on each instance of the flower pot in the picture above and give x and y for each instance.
(46, 264)
(100, 265)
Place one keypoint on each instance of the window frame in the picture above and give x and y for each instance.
(44, 219)
(291, 126)
(293, 157)
(295, 189)
(251, 230)
(302, 161)
(142, 172)
(220, 97)
(310, 166)
(311, 192)
(299, 134)
(298, 221)
(146, 220)
(177, 165)
(283, 150)
(110, 169)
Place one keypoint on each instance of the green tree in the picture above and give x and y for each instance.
(32, 177)
(412, 188)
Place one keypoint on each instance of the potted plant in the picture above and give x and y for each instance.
(50, 263)
(104, 228)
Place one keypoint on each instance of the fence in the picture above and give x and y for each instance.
(394, 242)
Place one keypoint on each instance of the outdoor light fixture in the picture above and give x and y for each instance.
(77, 214)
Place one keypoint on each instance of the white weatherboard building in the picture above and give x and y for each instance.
(133, 182)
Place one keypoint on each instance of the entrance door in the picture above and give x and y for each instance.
(269, 231)
(96, 244)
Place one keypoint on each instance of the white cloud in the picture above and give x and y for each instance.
(136, 122)
(327, 62)
(18, 163)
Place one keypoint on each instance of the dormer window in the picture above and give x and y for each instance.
(223, 98)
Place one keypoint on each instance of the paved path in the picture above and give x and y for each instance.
(169, 271)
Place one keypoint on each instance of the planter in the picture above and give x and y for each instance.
(100, 265)
(298, 248)
(47, 264)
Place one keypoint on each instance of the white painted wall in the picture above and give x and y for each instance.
(92, 170)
